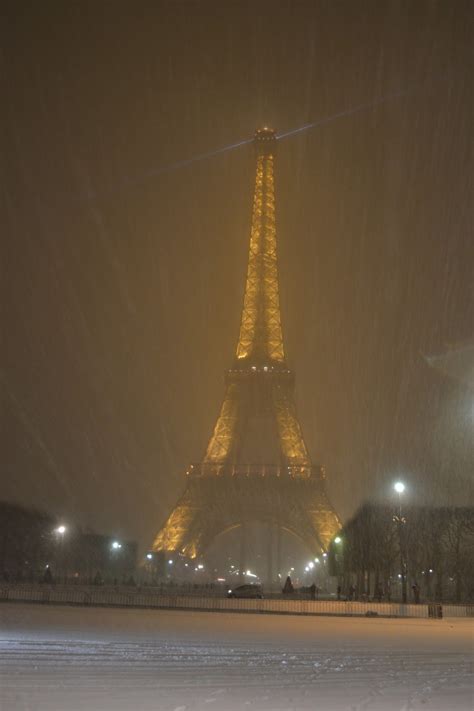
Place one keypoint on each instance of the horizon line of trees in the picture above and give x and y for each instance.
(433, 547)
(32, 550)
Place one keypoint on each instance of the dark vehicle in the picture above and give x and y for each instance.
(254, 591)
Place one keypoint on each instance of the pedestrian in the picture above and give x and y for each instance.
(339, 590)
(351, 592)
(416, 592)
(288, 588)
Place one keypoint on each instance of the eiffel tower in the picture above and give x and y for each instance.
(256, 467)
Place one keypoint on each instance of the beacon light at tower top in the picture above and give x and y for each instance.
(265, 140)
(265, 134)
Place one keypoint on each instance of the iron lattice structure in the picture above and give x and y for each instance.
(256, 467)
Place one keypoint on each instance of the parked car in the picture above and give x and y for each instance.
(253, 591)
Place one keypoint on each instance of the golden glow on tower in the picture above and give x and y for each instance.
(174, 534)
(220, 444)
(289, 431)
(258, 419)
(261, 337)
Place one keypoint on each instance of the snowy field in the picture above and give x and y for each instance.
(70, 659)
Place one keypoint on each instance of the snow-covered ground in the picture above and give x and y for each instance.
(66, 659)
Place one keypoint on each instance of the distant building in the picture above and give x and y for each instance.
(25, 544)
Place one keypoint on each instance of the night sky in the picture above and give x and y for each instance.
(123, 271)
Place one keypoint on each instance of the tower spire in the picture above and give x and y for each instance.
(261, 338)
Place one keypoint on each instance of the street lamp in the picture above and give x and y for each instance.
(60, 531)
(400, 520)
(115, 561)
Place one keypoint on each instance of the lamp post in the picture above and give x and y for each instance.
(115, 548)
(337, 558)
(60, 531)
(400, 520)
(149, 566)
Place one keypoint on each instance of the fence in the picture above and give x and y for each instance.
(140, 598)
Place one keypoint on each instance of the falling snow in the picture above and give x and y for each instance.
(126, 206)
(126, 256)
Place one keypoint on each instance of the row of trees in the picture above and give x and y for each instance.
(433, 548)
(32, 549)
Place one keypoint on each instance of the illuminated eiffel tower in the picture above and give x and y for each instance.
(256, 467)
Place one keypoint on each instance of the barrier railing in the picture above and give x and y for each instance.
(141, 598)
